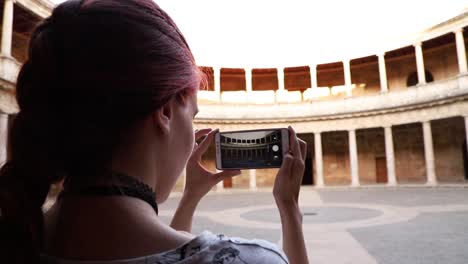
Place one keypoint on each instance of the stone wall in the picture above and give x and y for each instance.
(448, 136)
(370, 145)
(409, 153)
(336, 167)
(368, 75)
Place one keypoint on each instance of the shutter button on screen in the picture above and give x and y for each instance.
(275, 148)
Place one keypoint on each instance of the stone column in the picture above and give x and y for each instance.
(347, 77)
(420, 63)
(390, 156)
(320, 182)
(280, 79)
(382, 73)
(353, 157)
(253, 179)
(7, 28)
(3, 138)
(248, 80)
(461, 52)
(217, 82)
(313, 76)
(429, 154)
(219, 185)
(184, 178)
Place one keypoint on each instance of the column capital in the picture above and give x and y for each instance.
(417, 44)
(380, 54)
(387, 126)
(426, 121)
(458, 30)
(216, 68)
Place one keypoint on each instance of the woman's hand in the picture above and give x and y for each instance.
(286, 191)
(199, 180)
(289, 178)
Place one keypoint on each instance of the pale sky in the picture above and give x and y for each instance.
(279, 33)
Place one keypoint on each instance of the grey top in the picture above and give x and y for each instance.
(205, 248)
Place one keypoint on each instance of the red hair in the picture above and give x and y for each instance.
(94, 69)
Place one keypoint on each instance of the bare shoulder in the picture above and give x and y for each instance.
(91, 229)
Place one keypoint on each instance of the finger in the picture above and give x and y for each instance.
(303, 146)
(286, 165)
(294, 144)
(199, 133)
(220, 176)
(205, 144)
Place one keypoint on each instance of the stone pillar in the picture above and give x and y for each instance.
(253, 179)
(3, 138)
(461, 52)
(420, 63)
(313, 76)
(217, 82)
(390, 156)
(7, 28)
(429, 154)
(382, 73)
(280, 79)
(248, 80)
(320, 182)
(219, 185)
(347, 77)
(353, 157)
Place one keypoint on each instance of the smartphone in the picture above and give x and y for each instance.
(251, 149)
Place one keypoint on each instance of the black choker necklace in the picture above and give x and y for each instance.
(125, 186)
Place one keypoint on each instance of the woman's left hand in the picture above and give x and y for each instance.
(198, 183)
(200, 180)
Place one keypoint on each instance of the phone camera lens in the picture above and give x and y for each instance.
(275, 148)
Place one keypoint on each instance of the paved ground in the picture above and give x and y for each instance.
(368, 225)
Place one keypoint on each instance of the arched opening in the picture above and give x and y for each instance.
(413, 78)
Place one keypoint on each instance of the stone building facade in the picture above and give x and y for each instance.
(397, 116)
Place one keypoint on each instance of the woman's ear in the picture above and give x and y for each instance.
(162, 118)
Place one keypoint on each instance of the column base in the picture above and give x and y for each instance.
(431, 183)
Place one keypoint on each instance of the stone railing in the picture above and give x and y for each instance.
(41, 8)
(414, 97)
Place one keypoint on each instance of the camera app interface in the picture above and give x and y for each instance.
(255, 149)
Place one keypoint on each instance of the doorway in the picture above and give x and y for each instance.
(308, 178)
(381, 170)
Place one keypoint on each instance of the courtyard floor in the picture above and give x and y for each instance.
(344, 225)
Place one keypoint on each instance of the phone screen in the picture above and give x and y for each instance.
(251, 149)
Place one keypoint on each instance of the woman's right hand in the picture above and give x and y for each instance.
(286, 191)
(289, 178)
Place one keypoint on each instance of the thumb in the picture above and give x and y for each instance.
(226, 174)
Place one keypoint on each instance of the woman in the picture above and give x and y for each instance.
(107, 99)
